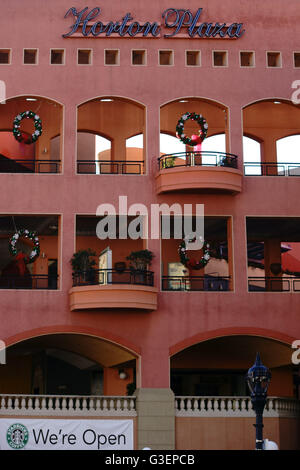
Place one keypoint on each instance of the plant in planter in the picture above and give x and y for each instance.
(120, 266)
(140, 260)
(168, 162)
(83, 265)
(131, 387)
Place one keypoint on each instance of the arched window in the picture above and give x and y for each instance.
(117, 120)
(288, 155)
(215, 143)
(93, 150)
(252, 156)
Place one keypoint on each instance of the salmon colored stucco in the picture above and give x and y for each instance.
(147, 100)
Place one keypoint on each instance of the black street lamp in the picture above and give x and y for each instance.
(258, 379)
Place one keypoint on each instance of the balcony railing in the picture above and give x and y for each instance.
(209, 159)
(110, 167)
(274, 284)
(67, 405)
(32, 281)
(240, 407)
(29, 166)
(185, 406)
(112, 276)
(271, 169)
(195, 283)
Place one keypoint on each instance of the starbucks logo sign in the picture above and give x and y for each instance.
(17, 436)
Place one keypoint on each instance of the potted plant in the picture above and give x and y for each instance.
(120, 266)
(139, 262)
(169, 162)
(83, 265)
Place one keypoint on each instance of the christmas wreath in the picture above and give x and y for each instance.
(25, 234)
(202, 131)
(192, 263)
(20, 136)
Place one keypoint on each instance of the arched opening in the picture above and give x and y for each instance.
(25, 145)
(212, 150)
(217, 367)
(121, 123)
(67, 364)
(200, 161)
(270, 121)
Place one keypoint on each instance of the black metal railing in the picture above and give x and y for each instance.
(271, 169)
(29, 166)
(196, 283)
(220, 159)
(113, 276)
(32, 281)
(110, 167)
(274, 284)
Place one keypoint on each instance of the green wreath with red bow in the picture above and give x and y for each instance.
(192, 263)
(202, 131)
(24, 233)
(21, 136)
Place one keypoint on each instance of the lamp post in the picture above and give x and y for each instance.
(258, 379)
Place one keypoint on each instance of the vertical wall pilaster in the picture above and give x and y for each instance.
(155, 418)
(70, 139)
(235, 129)
(239, 235)
(152, 137)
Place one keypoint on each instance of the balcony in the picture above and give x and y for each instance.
(29, 281)
(9, 165)
(196, 283)
(110, 167)
(274, 284)
(111, 289)
(214, 171)
(271, 169)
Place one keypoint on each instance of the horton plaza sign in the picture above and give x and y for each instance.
(174, 22)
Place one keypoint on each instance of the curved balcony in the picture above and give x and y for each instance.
(213, 171)
(112, 289)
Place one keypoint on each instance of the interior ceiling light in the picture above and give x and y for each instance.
(183, 101)
(31, 99)
(106, 99)
(277, 102)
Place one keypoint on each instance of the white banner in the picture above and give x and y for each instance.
(66, 434)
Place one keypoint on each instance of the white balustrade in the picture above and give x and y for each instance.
(54, 405)
(191, 406)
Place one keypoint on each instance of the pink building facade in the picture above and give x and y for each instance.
(181, 331)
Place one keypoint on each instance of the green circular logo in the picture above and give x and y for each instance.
(17, 436)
